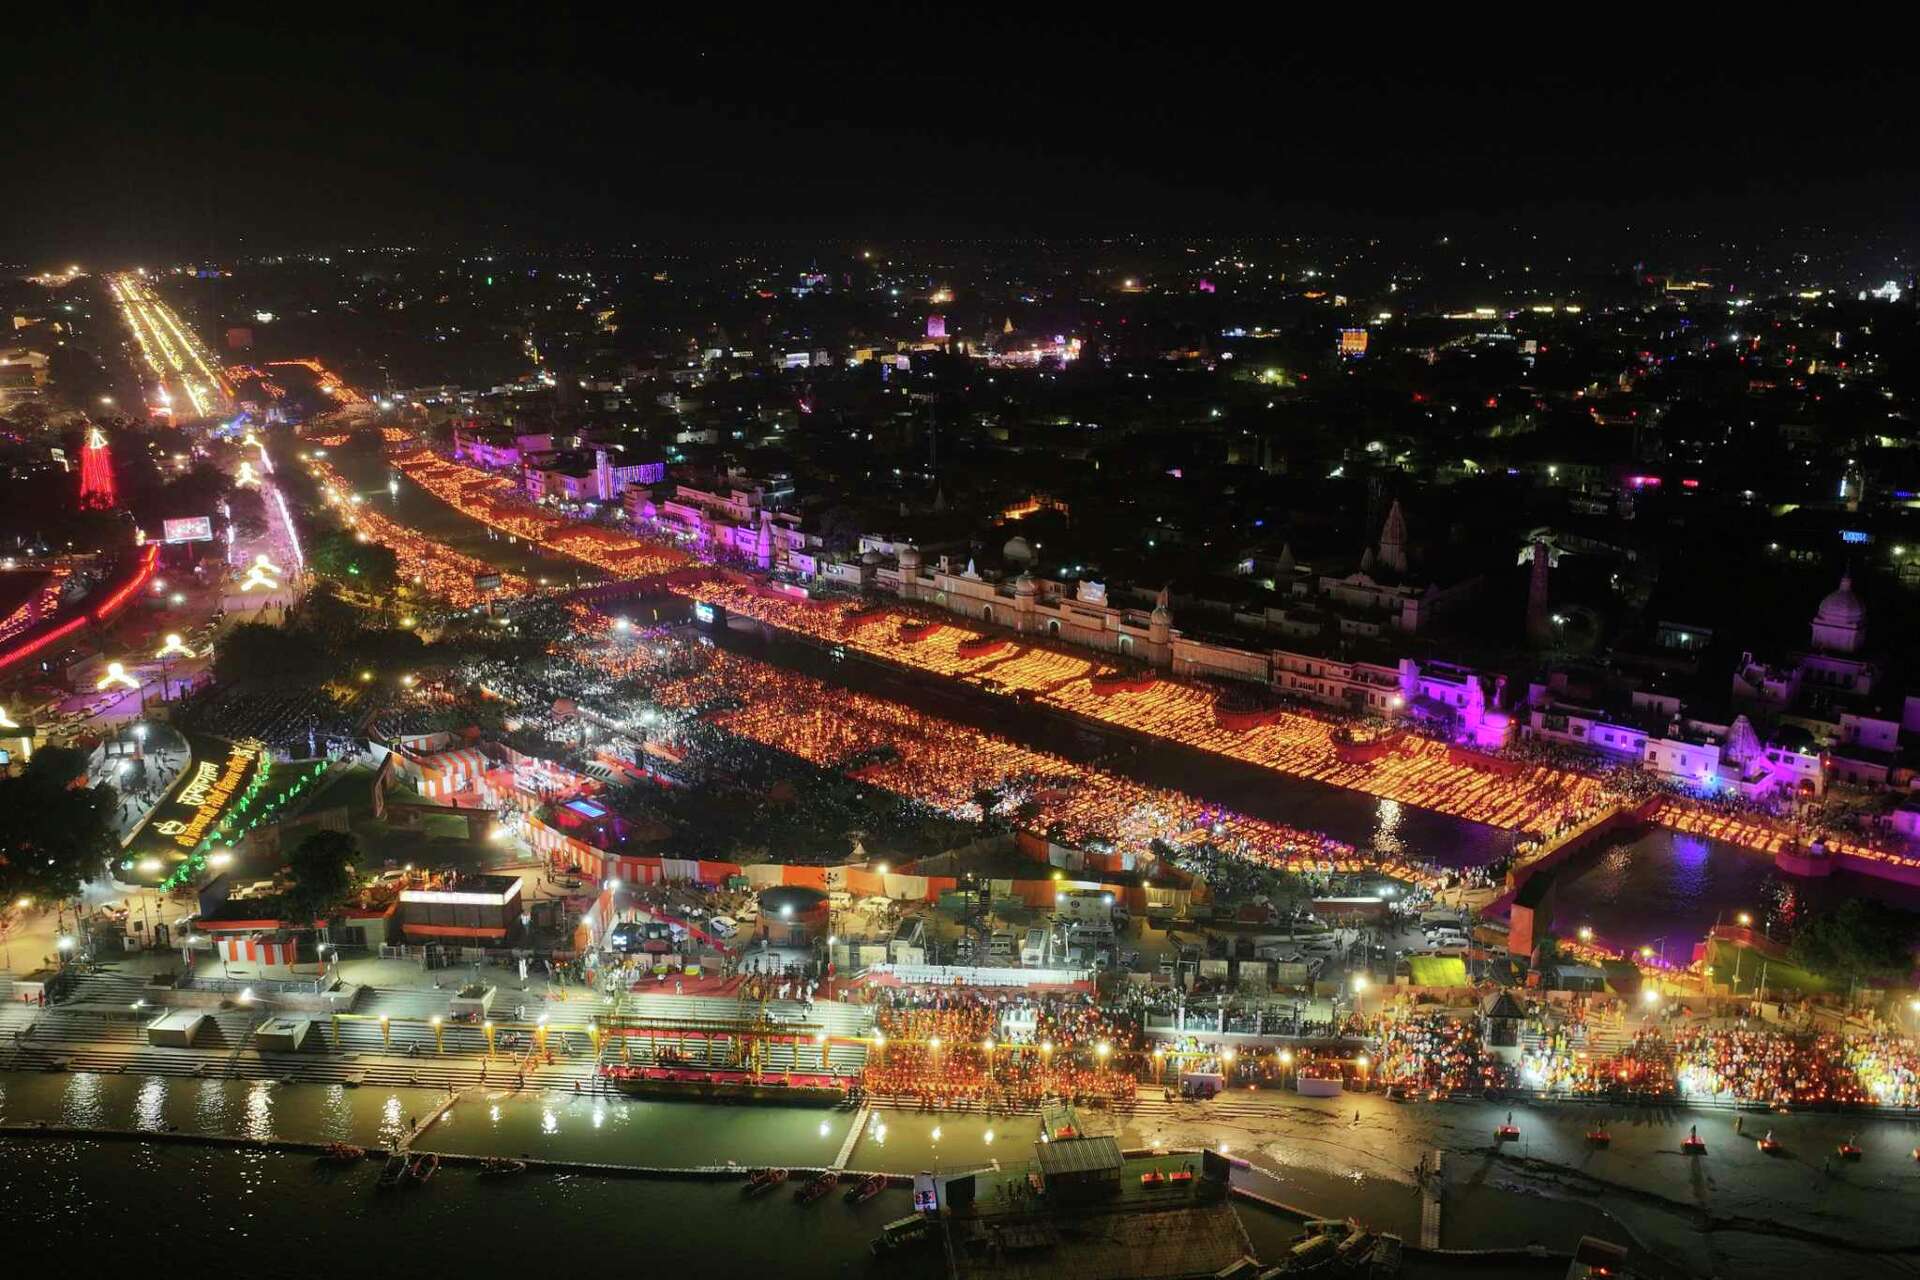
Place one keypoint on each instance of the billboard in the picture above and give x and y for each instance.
(486, 582)
(189, 529)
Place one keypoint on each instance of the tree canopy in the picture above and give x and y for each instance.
(341, 556)
(54, 835)
(1859, 938)
(258, 653)
(321, 872)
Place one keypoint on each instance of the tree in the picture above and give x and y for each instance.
(321, 872)
(258, 653)
(56, 833)
(339, 555)
(1859, 938)
(986, 798)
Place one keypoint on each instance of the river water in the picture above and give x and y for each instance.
(364, 466)
(1664, 889)
(79, 1198)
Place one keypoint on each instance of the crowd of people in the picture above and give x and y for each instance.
(1434, 1054)
(305, 723)
(966, 1048)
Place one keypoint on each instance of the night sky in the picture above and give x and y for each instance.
(128, 133)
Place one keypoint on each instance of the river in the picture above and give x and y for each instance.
(1731, 1212)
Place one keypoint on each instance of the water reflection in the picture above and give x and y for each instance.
(149, 1110)
(210, 1107)
(82, 1105)
(258, 1123)
(1667, 884)
(1386, 829)
(392, 1127)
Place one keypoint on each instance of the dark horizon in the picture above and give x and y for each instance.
(186, 139)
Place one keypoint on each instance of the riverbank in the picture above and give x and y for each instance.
(1731, 1209)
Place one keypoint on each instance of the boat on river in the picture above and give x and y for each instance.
(393, 1171)
(704, 1084)
(422, 1167)
(763, 1180)
(816, 1186)
(867, 1188)
(342, 1153)
(500, 1167)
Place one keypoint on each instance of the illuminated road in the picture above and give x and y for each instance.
(181, 379)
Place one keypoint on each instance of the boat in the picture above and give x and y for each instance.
(1384, 1261)
(763, 1180)
(816, 1186)
(500, 1167)
(1153, 1179)
(1338, 1228)
(1693, 1144)
(1849, 1151)
(393, 1171)
(716, 1085)
(1599, 1137)
(342, 1153)
(1769, 1147)
(1357, 1246)
(423, 1166)
(867, 1188)
(902, 1233)
(1506, 1132)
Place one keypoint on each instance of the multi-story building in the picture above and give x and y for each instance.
(742, 520)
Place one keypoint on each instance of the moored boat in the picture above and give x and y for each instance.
(867, 1188)
(763, 1180)
(422, 1166)
(393, 1171)
(902, 1233)
(342, 1153)
(500, 1167)
(816, 1186)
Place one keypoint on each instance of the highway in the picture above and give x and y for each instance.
(181, 379)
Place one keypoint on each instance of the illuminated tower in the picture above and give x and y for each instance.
(1539, 625)
(96, 472)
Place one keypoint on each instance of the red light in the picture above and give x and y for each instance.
(1689, 484)
(34, 646)
(96, 472)
(148, 560)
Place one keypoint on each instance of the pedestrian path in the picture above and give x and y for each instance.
(1432, 1183)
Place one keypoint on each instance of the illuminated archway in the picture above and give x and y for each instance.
(116, 675)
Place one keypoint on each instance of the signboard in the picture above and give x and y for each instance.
(486, 582)
(208, 790)
(190, 529)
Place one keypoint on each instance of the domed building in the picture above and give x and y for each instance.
(1829, 691)
(1840, 623)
